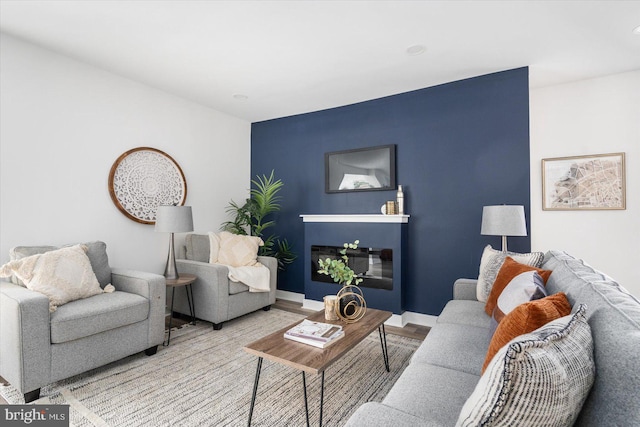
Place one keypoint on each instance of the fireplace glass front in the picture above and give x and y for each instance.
(373, 265)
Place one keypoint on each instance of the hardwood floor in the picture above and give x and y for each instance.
(417, 332)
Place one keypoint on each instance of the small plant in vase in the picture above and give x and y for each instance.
(351, 304)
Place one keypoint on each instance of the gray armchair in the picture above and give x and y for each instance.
(38, 347)
(218, 299)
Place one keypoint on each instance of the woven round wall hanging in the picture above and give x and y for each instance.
(144, 178)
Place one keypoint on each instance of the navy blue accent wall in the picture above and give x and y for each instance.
(460, 146)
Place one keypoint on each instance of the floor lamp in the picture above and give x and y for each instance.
(503, 220)
(173, 219)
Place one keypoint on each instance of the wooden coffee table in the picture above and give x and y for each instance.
(315, 360)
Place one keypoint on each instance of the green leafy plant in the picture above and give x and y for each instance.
(253, 217)
(338, 269)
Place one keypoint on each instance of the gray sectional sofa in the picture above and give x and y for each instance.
(445, 369)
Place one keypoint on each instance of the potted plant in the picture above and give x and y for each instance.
(351, 303)
(253, 217)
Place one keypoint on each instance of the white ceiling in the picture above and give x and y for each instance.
(290, 57)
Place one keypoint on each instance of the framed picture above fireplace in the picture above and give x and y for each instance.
(361, 169)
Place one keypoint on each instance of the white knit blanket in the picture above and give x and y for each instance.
(256, 277)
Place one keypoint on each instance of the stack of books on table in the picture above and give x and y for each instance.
(316, 334)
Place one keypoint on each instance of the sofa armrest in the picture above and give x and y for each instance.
(272, 264)
(151, 286)
(25, 353)
(465, 289)
(211, 285)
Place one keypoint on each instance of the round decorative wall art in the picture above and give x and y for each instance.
(143, 179)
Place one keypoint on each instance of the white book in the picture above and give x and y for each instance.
(323, 332)
(314, 342)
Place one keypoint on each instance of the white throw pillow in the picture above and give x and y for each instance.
(63, 275)
(537, 379)
(237, 250)
(491, 262)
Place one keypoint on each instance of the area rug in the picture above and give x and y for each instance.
(204, 378)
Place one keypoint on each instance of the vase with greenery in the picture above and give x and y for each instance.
(254, 218)
(340, 272)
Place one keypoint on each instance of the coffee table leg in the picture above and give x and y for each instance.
(321, 397)
(255, 390)
(383, 343)
(304, 390)
(306, 403)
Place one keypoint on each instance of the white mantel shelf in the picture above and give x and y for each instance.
(386, 219)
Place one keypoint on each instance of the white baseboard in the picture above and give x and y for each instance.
(397, 320)
(289, 296)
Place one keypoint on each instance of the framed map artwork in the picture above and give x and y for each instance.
(144, 178)
(584, 182)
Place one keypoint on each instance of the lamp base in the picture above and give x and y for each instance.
(171, 270)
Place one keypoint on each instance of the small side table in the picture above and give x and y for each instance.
(183, 280)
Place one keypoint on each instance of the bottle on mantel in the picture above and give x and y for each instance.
(400, 200)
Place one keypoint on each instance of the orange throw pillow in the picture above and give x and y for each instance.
(527, 318)
(510, 269)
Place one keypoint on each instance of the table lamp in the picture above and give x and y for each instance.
(173, 219)
(503, 220)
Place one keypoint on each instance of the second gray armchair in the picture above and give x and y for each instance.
(218, 299)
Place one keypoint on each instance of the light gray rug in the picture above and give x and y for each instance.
(204, 378)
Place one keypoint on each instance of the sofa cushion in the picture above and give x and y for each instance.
(538, 379)
(237, 287)
(510, 269)
(237, 250)
(63, 275)
(97, 314)
(428, 392)
(490, 265)
(464, 312)
(526, 318)
(197, 247)
(458, 347)
(375, 414)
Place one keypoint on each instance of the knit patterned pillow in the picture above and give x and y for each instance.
(238, 251)
(490, 264)
(63, 275)
(538, 379)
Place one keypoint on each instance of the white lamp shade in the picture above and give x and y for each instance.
(174, 219)
(503, 220)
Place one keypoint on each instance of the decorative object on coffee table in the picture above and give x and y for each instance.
(330, 302)
(144, 178)
(351, 304)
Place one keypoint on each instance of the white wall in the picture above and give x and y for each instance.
(590, 117)
(63, 123)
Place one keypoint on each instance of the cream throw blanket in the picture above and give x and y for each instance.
(239, 254)
(256, 277)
